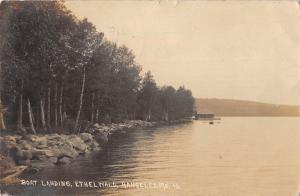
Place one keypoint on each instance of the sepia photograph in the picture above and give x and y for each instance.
(150, 97)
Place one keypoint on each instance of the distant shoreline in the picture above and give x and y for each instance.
(231, 107)
(258, 116)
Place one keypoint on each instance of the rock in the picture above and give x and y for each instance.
(54, 136)
(55, 139)
(54, 143)
(6, 163)
(37, 153)
(10, 138)
(63, 160)
(18, 154)
(42, 141)
(24, 145)
(55, 151)
(105, 128)
(41, 146)
(27, 155)
(6, 146)
(97, 148)
(53, 159)
(32, 170)
(44, 151)
(35, 141)
(86, 137)
(9, 145)
(30, 137)
(24, 162)
(65, 150)
(94, 144)
(78, 143)
(11, 175)
(96, 126)
(114, 127)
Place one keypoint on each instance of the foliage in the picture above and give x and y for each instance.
(50, 58)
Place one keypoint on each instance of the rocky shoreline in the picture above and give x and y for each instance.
(30, 153)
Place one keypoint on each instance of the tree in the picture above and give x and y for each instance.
(184, 103)
(64, 70)
(167, 98)
(34, 39)
(86, 40)
(147, 96)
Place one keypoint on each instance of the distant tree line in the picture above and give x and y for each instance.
(56, 69)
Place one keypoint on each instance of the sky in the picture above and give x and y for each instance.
(248, 50)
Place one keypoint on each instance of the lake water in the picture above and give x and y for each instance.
(240, 156)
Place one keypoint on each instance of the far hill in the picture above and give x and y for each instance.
(230, 107)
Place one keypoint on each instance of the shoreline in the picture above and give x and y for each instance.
(32, 153)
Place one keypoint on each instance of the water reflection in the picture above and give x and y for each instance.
(238, 157)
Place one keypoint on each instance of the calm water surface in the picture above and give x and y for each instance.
(240, 156)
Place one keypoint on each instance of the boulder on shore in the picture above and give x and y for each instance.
(9, 171)
(77, 143)
(86, 137)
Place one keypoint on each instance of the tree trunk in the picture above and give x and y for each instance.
(37, 117)
(92, 115)
(149, 115)
(42, 105)
(30, 115)
(20, 118)
(97, 115)
(166, 115)
(80, 101)
(60, 104)
(64, 115)
(2, 125)
(55, 105)
(48, 108)
(2, 110)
